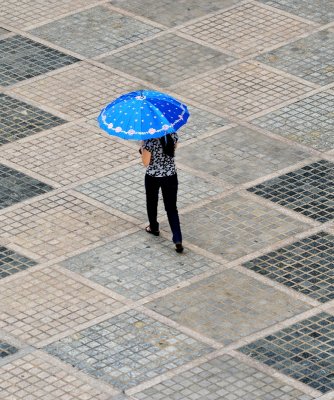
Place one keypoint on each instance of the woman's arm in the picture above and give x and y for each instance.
(145, 156)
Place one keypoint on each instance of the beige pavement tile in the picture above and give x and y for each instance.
(58, 225)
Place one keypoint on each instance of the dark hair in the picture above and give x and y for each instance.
(168, 145)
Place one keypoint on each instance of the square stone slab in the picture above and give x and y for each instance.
(321, 11)
(58, 225)
(242, 90)
(83, 152)
(34, 378)
(22, 58)
(94, 31)
(19, 119)
(138, 265)
(227, 306)
(170, 12)
(310, 58)
(12, 262)
(166, 60)
(239, 154)
(45, 303)
(235, 226)
(308, 190)
(302, 351)
(16, 186)
(224, 377)
(78, 91)
(305, 266)
(124, 190)
(128, 349)
(309, 121)
(246, 29)
(6, 349)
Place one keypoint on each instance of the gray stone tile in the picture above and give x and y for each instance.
(309, 121)
(222, 378)
(227, 306)
(127, 349)
(302, 351)
(235, 226)
(239, 155)
(305, 266)
(22, 58)
(19, 119)
(3, 32)
(138, 265)
(167, 60)
(12, 262)
(94, 31)
(308, 190)
(310, 58)
(6, 349)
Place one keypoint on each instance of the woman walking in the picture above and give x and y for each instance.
(158, 158)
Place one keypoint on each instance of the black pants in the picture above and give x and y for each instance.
(168, 185)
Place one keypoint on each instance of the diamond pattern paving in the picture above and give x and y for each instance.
(301, 351)
(226, 306)
(83, 151)
(308, 190)
(310, 58)
(239, 155)
(11, 262)
(222, 378)
(94, 31)
(48, 303)
(235, 226)
(59, 224)
(242, 90)
(117, 266)
(22, 58)
(159, 62)
(19, 119)
(16, 186)
(6, 350)
(246, 29)
(78, 91)
(305, 266)
(33, 378)
(127, 349)
(3, 32)
(308, 121)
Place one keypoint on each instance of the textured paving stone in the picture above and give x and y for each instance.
(246, 29)
(242, 90)
(308, 121)
(79, 91)
(59, 224)
(16, 186)
(127, 349)
(227, 306)
(11, 262)
(321, 11)
(19, 119)
(3, 32)
(94, 31)
(167, 60)
(310, 58)
(308, 190)
(6, 350)
(235, 226)
(83, 152)
(222, 378)
(22, 58)
(33, 378)
(124, 191)
(48, 303)
(302, 351)
(239, 155)
(305, 266)
(138, 265)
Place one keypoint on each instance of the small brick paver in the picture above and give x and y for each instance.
(6, 349)
(12, 262)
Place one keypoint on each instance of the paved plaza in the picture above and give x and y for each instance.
(93, 308)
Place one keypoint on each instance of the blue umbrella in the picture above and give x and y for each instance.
(144, 114)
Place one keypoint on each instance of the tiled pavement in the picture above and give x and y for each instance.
(92, 308)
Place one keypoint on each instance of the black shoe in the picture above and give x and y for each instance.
(148, 230)
(178, 247)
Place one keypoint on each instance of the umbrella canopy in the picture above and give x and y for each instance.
(144, 114)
